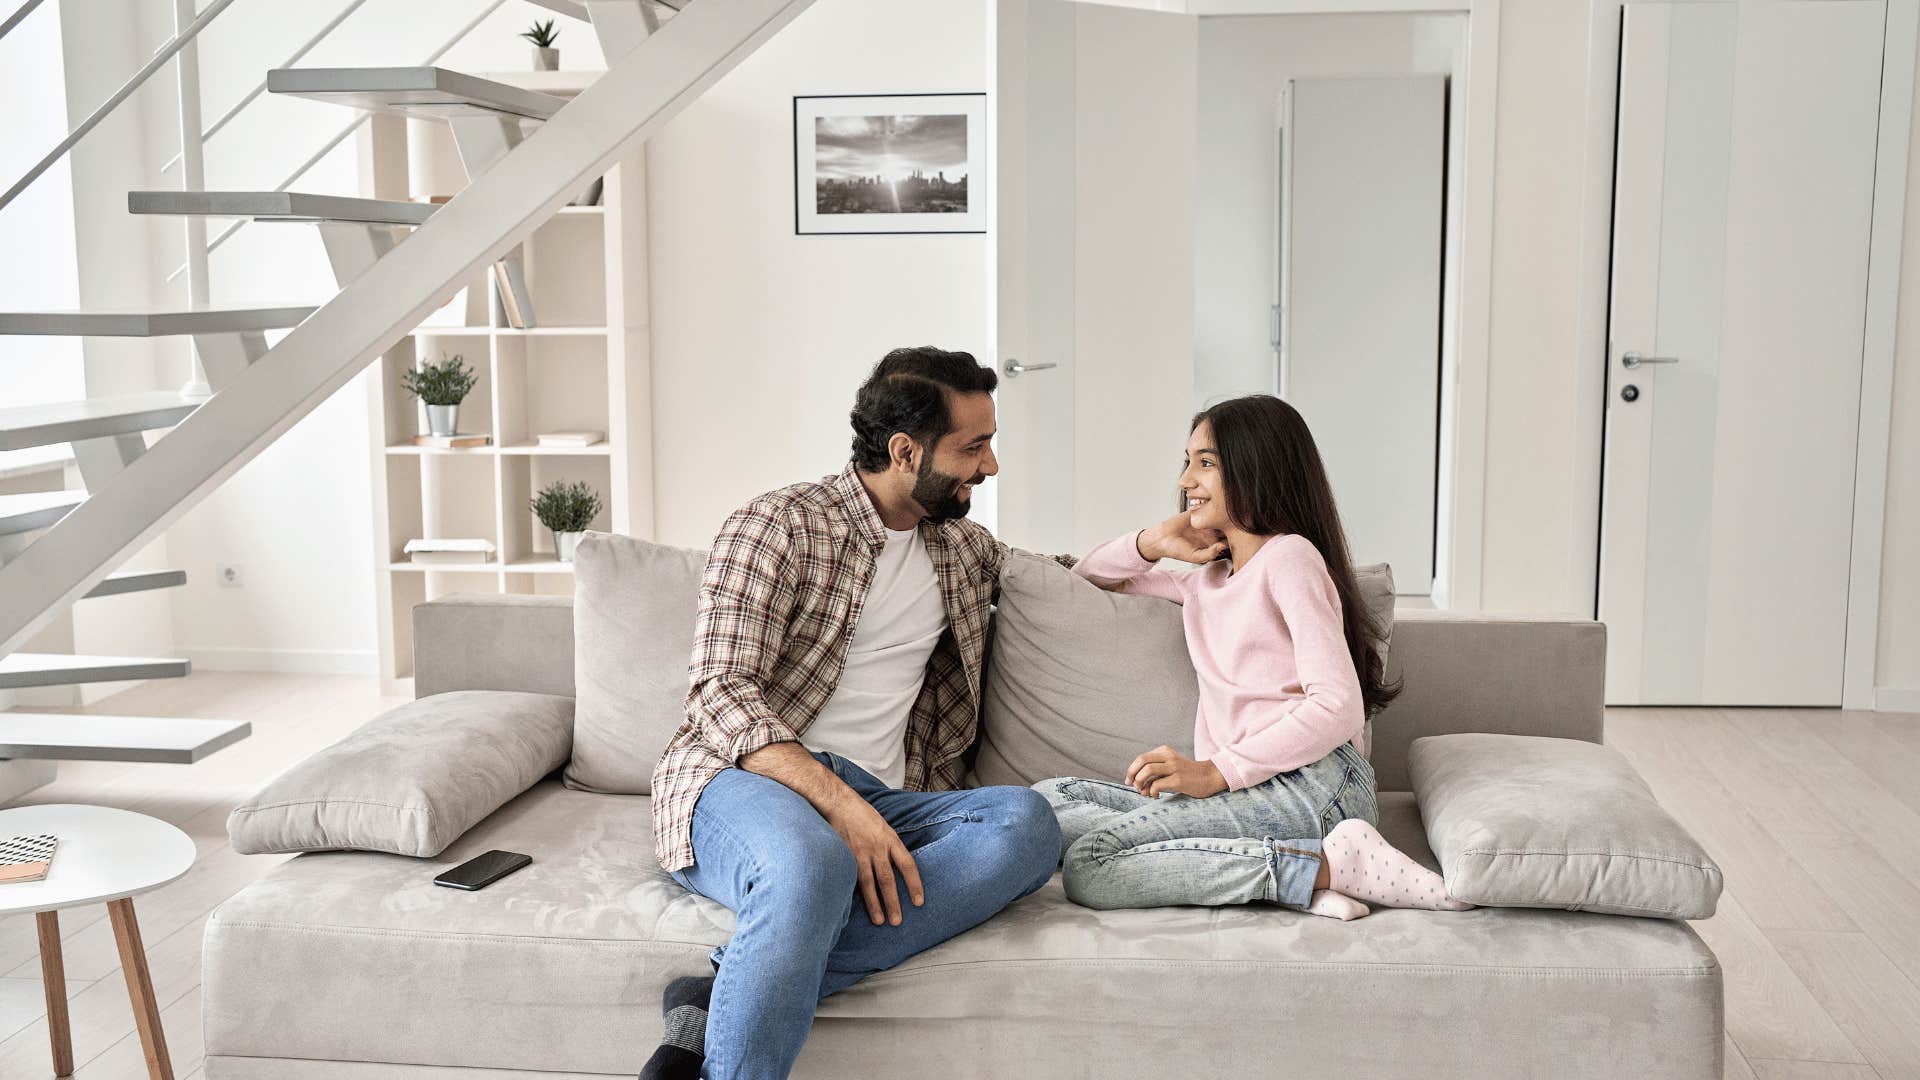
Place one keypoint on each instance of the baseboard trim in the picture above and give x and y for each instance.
(1896, 699)
(290, 661)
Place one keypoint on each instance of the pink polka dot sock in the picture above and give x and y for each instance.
(1361, 864)
(1332, 905)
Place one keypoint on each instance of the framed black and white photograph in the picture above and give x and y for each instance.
(892, 163)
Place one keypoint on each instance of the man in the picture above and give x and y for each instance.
(835, 686)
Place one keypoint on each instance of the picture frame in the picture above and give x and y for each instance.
(887, 164)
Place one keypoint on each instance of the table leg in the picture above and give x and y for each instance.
(53, 977)
(146, 1011)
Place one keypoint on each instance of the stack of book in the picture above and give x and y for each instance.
(449, 551)
(566, 439)
(26, 858)
(459, 440)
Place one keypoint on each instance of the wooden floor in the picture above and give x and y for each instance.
(1814, 815)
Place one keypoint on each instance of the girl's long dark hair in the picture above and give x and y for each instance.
(1271, 473)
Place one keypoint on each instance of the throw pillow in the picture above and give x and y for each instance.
(411, 781)
(1529, 821)
(1081, 680)
(634, 605)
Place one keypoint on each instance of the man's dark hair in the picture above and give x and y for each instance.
(908, 392)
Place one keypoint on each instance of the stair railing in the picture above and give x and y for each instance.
(326, 148)
(498, 210)
(179, 41)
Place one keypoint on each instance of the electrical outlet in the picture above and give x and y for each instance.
(229, 577)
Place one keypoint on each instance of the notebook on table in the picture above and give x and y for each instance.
(26, 858)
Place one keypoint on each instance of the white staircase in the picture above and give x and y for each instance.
(526, 154)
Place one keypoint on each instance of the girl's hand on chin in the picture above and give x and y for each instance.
(1176, 538)
(1164, 769)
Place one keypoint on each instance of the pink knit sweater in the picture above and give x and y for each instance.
(1277, 685)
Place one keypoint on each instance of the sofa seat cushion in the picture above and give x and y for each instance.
(357, 957)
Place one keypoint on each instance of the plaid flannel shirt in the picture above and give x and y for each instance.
(782, 592)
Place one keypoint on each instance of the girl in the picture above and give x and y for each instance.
(1279, 805)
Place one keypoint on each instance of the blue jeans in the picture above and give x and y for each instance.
(1125, 850)
(802, 931)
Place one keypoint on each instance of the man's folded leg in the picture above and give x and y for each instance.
(977, 851)
(803, 933)
(764, 851)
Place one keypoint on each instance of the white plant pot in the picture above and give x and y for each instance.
(443, 419)
(546, 59)
(564, 543)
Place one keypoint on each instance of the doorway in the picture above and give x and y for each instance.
(1137, 269)
(1743, 211)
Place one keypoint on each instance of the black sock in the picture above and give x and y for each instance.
(683, 1046)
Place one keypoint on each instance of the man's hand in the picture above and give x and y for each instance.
(1163, 769)
(877, 851)
(1176, 538)
(876, 848)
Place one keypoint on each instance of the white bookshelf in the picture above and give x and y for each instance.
(584, 365)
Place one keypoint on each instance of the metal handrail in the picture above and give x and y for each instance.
(345, 133)
(166, 53)
(13, 20)
(227, 117)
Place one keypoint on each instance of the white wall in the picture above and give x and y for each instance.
(761, 337)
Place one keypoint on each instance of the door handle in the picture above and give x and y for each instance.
(1634, 360)
(1015, 368)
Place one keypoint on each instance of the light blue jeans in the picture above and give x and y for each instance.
(1122, 849)
(802, 931)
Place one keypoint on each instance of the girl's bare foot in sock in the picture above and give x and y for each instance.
(1362, 865)
(1333, 905)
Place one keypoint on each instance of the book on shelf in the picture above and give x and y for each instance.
(449, 551)
(27, 858)
(459, 440)
(516, 302)
(568, 438)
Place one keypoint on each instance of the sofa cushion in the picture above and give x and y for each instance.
(1527, 821)
(411, 781)
(560, 968)
(1081, 680)
(634, 605)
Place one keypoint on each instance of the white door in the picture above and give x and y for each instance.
(1095, 152)
(1363, 188)
(1743, 201)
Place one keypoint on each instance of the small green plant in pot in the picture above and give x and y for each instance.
(546, 56)
(441, 385)
(567, 509)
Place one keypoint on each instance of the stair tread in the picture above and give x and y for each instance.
(132, 581)
(65, 669)
(279, 205)
(571, 8)
(151, 322)
(30, 510)
(66, 421)
(85, 737)
(431, 93)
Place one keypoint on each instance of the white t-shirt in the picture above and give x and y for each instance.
(866, 719)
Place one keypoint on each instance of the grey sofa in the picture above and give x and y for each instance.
(352, 966)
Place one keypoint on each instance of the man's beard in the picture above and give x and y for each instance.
(937, 493)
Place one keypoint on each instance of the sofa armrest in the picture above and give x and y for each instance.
(1509, 675)
(486, 641)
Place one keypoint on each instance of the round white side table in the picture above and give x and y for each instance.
(104, 855)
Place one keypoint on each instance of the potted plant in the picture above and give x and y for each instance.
(546, 57)
(567, 509)
(440, 385)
